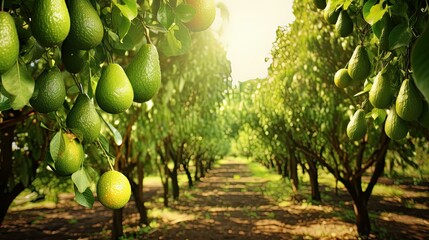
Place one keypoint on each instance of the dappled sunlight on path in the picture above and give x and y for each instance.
(229, 204)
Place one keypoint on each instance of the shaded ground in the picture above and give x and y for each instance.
(230, 203)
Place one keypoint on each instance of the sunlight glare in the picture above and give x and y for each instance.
(250, 33)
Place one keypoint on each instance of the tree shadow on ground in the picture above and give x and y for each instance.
(230, 203)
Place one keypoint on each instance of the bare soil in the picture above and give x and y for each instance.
(229, 203)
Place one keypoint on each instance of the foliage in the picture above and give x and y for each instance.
(299, 108)
(195, 76)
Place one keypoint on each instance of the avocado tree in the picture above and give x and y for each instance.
(93, 62)
(381, 63)
(318, 70)
(186, 107)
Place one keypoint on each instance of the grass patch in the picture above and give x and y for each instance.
(386, 190)
(260, 171)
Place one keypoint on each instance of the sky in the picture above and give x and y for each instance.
(250, 32)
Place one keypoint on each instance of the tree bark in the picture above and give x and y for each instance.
(314, 181)
(165, 185)
(175, 184)
(7, 133)
(285, 168)
(362, 216)
(294, 173)
(138, 198)
(202, 169)
(360, 208)
(7, 198)
(188, 174)
(117, 229)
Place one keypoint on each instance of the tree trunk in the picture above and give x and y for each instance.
(294, 173)
(188, 174)
(7, 198)
(165, 195)
(362, 216)
(360, 201)
(197, 167)
(314, 181)
(202, 169)
(175, 184)
(137, 190)
(138, 198)
(285, 169)
(7, 133)
(165, 185)
(117, 229)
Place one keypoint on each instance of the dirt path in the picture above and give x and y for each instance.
(229, 203)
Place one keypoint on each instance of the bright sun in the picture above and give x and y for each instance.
(250, 33)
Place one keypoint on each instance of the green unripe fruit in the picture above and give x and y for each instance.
(359, 66)
(381, 92)
(342, 78)
(356, 129)
(409, 104)
(71, 157)
(205, 13)
(49, 91)
(395, 127)
(344, 25)
(320, 4)
(86, 30)
(9, 42)
(113, 189)
(84, 120)
(144, 73)
(50, 22)
(114, 92)
(73, 59)
(331, 16)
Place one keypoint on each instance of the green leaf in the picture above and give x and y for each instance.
(157, 27)
(50, 161)
(128, 9)
(104, 142)
(113, 36)
(165, 15)
(400, 8)
(31, 50)
(366, 89)
(73, 90)
(120, 23)
(378, 115)
(185, 12)
(56, 145)
(176, 42)
(400, 36)
(4, 103)
(134, 38)
(85, 198)
(81, 180)
(372, 13)
(347, 4)
(332, 5)
(116, 134)
(19, 84)
(420, 63)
